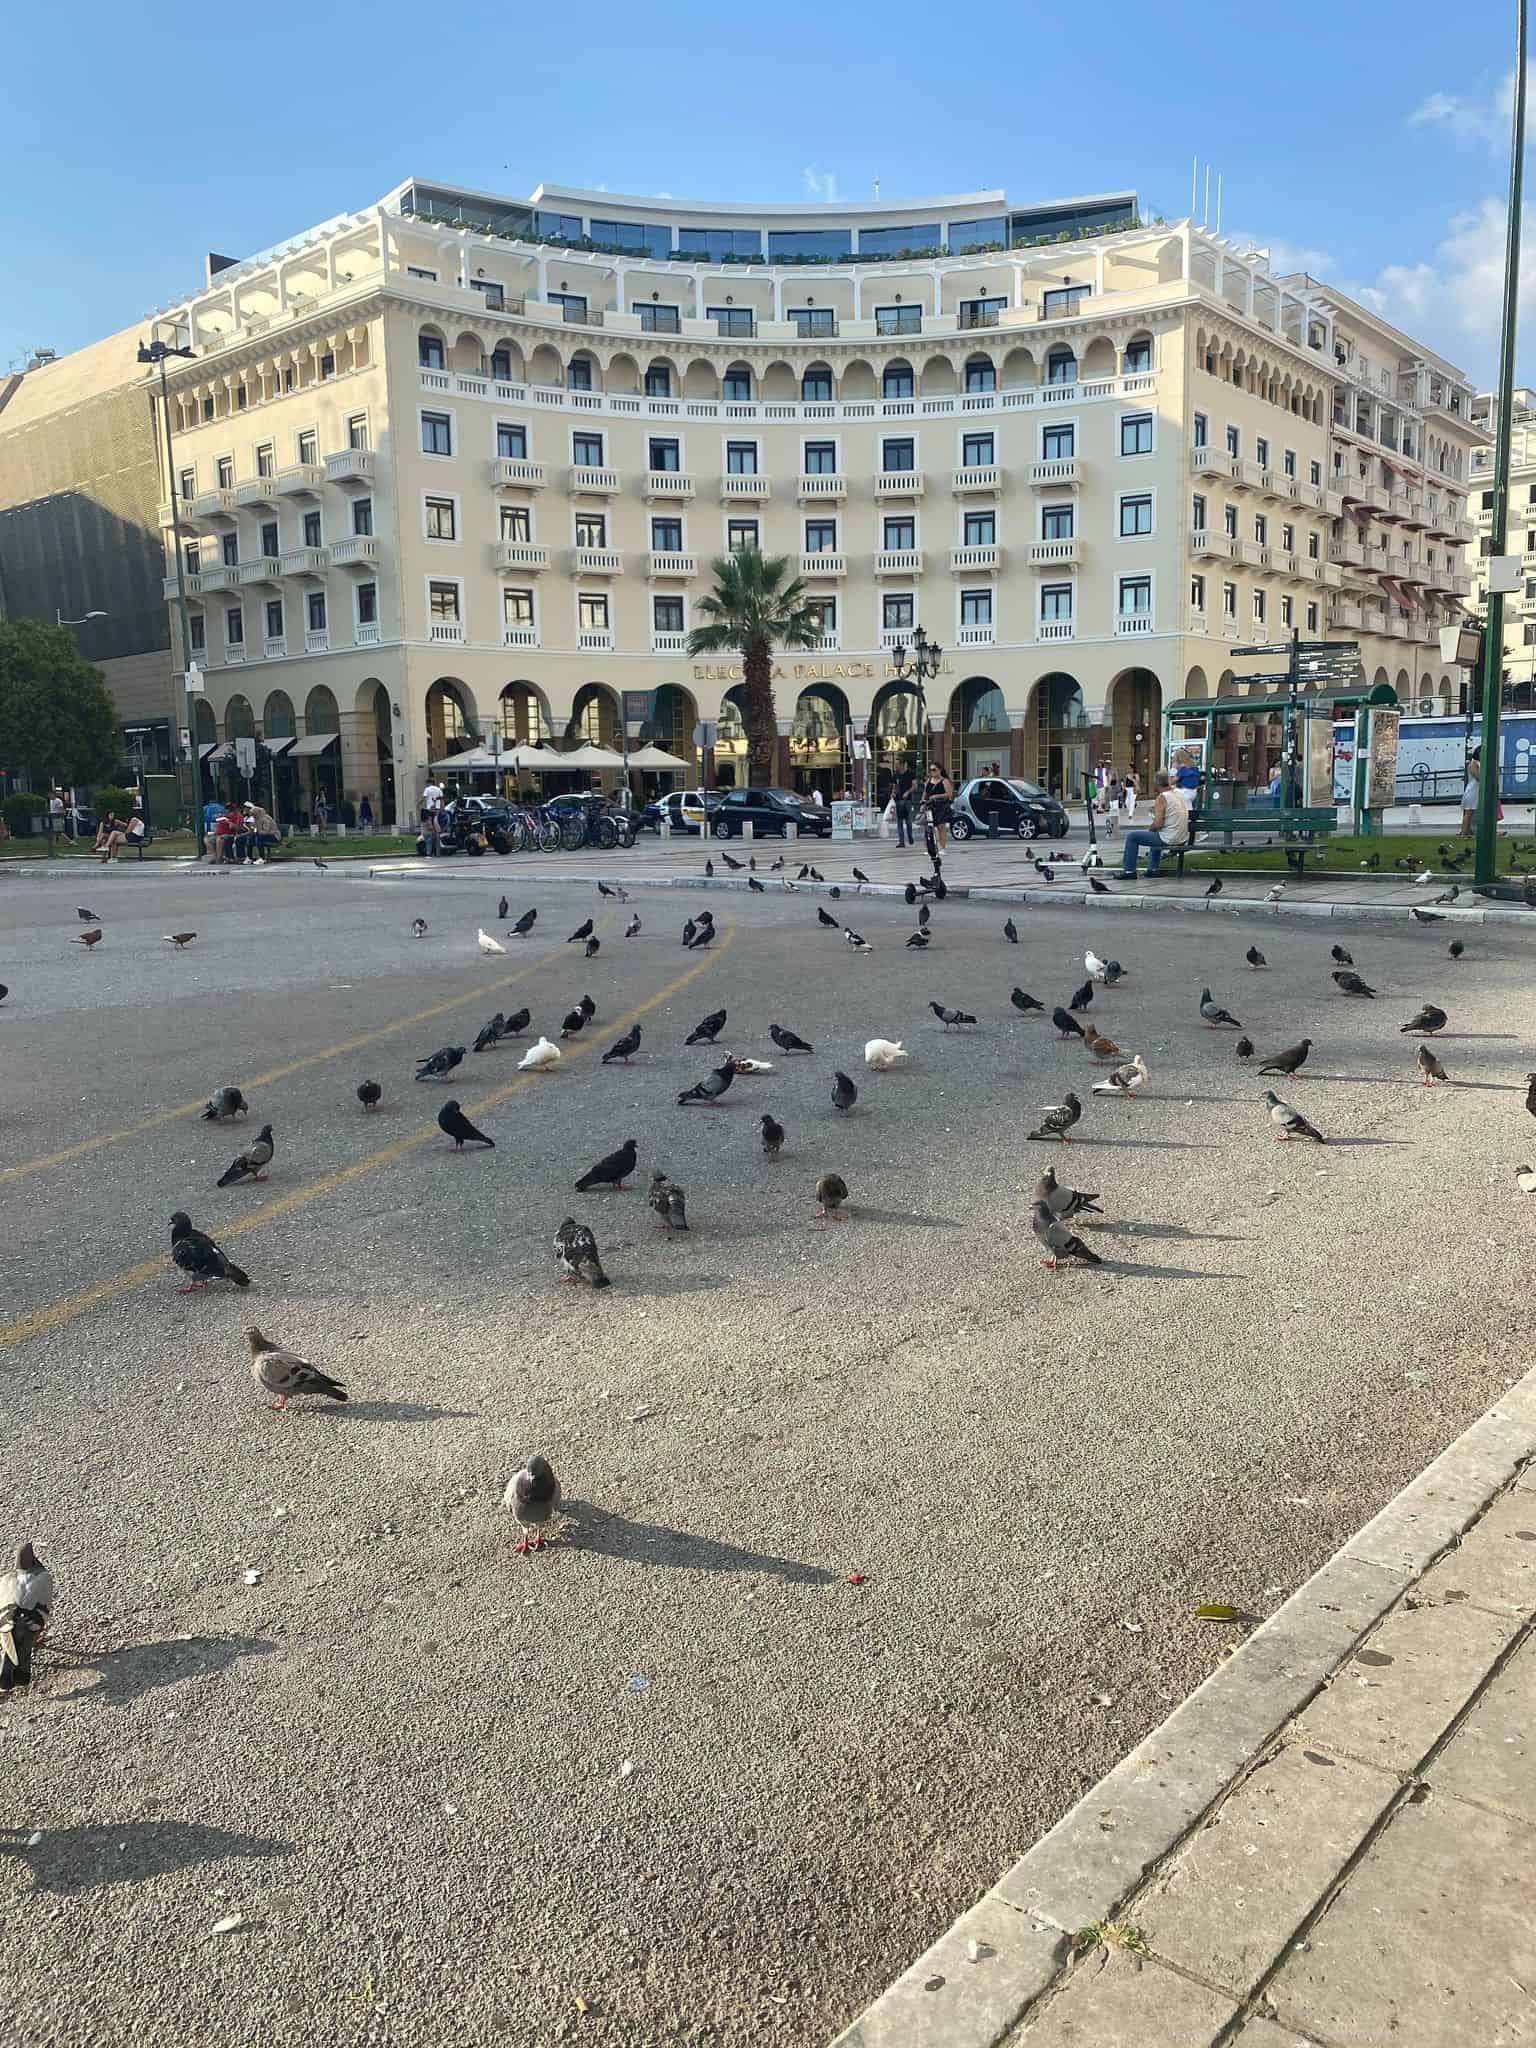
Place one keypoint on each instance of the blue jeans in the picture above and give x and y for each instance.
(903, 823)
(1133, 843)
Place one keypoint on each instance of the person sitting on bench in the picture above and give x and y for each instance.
(137, 833)
(1169, 832)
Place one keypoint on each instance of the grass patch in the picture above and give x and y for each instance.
(1109, 1934)
(179, 846)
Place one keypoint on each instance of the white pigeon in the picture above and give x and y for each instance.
(1425, 877)
(746, 1066)
(1276, 893)
(1098, 969)
(539, 1056)
(1123, 1080)
(859, 945)
(488, 944)
(883, 1053)
(1525, 1179)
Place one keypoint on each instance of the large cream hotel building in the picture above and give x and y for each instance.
(459, 465)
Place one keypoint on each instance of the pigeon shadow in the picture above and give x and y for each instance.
(392, 1411)
(126, 1675)
(1172, 1230)
(129, 1852)
(1349, 1144)
(609, 1535)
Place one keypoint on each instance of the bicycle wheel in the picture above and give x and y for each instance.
(628, 829)
(607, 834)
(573, 834)
(549, 836)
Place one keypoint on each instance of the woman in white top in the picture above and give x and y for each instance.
(1469, 795)
(1169, 831)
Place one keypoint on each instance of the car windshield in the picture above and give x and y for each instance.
(786, 796)
(1021, 788)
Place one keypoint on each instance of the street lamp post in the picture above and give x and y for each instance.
(158, 352)
(60, 620)
(926, 658)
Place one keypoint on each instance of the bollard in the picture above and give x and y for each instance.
(791, 832)
(746, 828)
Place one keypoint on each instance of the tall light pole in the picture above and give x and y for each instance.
(85, 617)
(1486, 858)
(158, 352)
(927, 657)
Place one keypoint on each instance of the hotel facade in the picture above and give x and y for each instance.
(458, 466)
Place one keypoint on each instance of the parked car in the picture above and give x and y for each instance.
(1019, 806)
(685, 809)
(770, 812)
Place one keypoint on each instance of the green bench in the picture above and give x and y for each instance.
(1264, 824)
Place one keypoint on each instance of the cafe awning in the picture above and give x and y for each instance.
(313, 743)
(656, 758)
(280, 745)
(592, 757)
(216, 750)
(473, 761)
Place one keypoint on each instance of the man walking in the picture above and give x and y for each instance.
(906, 782)
(431, 805)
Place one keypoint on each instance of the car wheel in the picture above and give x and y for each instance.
(960, 829)
(1028, 826)
(500, 843)
(720, 829)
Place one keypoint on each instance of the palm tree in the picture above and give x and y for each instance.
(752, 610)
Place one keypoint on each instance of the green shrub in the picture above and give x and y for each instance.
(21, 807)
(118, 801)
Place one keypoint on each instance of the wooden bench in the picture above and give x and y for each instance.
(1263, 825)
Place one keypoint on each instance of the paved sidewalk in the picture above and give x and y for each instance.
(1331, 1844)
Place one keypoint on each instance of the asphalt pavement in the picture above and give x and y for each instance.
(882, 1543)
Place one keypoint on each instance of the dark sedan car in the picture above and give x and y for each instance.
(770, 812)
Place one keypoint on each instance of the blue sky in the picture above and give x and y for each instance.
(1369, 148)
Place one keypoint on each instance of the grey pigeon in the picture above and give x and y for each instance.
(831, 1194)
(1291, 1122)
(707, 1030)
(1338, 953)
(1011, 932)
(1255, 958)
(200, 1256)
(439, 1063)
(591, 947)
(1214, 1014)
(501, 911)
(86, 916)
(669, 1201)
(1057, 1121)
(1063, 1201)
(1287, 1062)
(489, 1034)
(1430, 1067)
(1059, 1238)
(1350, 983)
(279, 1371)
(844, 1093)
(576, 1253)
(632, 929)
(773, 1135)
(1429, 1020)
(26, 1601)
(713, 1085)
(223, 1103)
(918, 943)
(950, 1018)
(533, 1493)
(786, 1040)
(250, 1164)
(623, 1048)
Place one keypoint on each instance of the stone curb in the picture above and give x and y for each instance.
(978, 1981)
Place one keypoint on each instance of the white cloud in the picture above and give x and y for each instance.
(1455, 302)
(821, 185)
(1282, 256)
(1484, 120)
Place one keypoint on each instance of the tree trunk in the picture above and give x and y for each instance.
(757, 714)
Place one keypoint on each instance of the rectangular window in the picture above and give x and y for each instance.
(511, 441)
(571, 304)
(898, 319)
(1261, 453)
(1058, 522)
(666, 455)
(1314, 472)
(657, 319)
(436, 433)
(316, 608)
(275, 619)
(741, 458)
(1287, 608)
(312, 535)
(1259, 607)
(1288, 538)
(1311, 618)
(517, 607)
(975, 607)
(813, 320)
(208, 406)
(667, 614)
(825, 609)
(367, 604)
(981, 529)
(1261, 529)
(199, 632)
(1136, 515)
(1135, 595)
(736, 387)
(977, 451)
(1234, 441)
(191, 557)
(429, 352)
(1201, 430)
(578, 374)
(229, 544)
(821, 536)
(441, 520)
(667, 536)
(443, 603)
(357, 430)
(591, 529)
(495, 298)
(234, 627)
(362, 515)
(1197, 593)
(896, 609)
(224, 472)
(741, 534)
(1056, 305)
(821, 458)
(1229, 521)
(307, 445)
(980, 375)
(265, 459)
(1138, 357)
(1229, 600)
(186, 483)
(1197, 512)
(241, 399)
(587, 451)
(1058, 443)
(898, 455)
(1055, 600)
(501, 364)
(1289, 461)
(592, 612)
(269, 544)
(515, 523)
(900, 535)
(1136, 434)
(730, 319)
(973, 312)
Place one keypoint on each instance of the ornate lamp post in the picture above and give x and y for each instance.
(926, 658)
(157, 352)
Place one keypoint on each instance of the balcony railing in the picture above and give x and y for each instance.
(892, 637)
(274, 647)
(218, 504)
(666, 562)
(977, 636)
(1054, 629)
(745, 486)
(255, 491)
(193, 580)
(513, 470)
(350, 466)
(263, 569)
(317, 640)
(989, 316)
(669, 643)
(823, 484)
(899, 483)
(1134, 622)
(595, 640)
(518, 554)
(301, 480)
(823, 562)
(979, 477)
(1046, 551)
(519, 636)
(356, 551)
(899, 562)
(981, 558)
(588, 478)
(1057, 469)
(302, 562)
(1211, 461)
(234, 653)
(668, 483)
(597, 562)
(366, 633)
(446, 629)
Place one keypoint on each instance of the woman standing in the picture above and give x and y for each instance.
(1469, 794)
(939, 795)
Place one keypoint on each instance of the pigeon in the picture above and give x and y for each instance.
(713, 1085)
(1371, 861)
(276, 1370)
(786, 1040)
(576, 1251)
(805, 872)
(488, 1034)
(1243, 1047)
(1059, 1239)
(369, 1094)
(591, 948)
(1456, 948)
(732, 863)
(1288, 1061)
(775, 866)
(1114, 974)
(752, 862)
(1124, 1080)
(4, 991)
(1425, 916)
(831, 1194)
(26, 1601)
(1011, 932)
(1063, 1201)
(1215, 887)
(572, 1022)
(1066, 1024)
(487, 944)
(87, 916)
(1274, 895)
(533, 1493)
(950, 1018)
(701, 937)
(825, 917)
(249, 1164)
(91, 938)
(322, 865)
(501, 910)
(883, 1053)
(223, 1103)
(1099, 889)
(1338, 953)
(516, 1024)
(623, 1048)
(1255, 958)
(1214, 1015)
(1449, 896)
(707, 1030)
(1350, 983)
(1525, 1179)
(1101, 1047)
(773, 1135)
(1530, 1094)
(604, 890)
(1058, 1120)
(612, 1170)
(453, 1123)
(918, 943)
(1291, 1122)
(632, 929)
(200, 1256)
(1047, 875)
(587, 1008)
(439, 1063)
(178, 939)
(755, 885)
(1106, 971)
(709, 867)
(859, 945)
(1430, 1067)
(924, 917)
(1023, 1002)
(1081, 997)
(1405, 864)
(844, 1094)
(817, 875)
(539, 1057)
(669, 1201)
(860, 877)
(418, 927)
(1429, 1020)
(582, 931)
(746, 1066)
(525, 923)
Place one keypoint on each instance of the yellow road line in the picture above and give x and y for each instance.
(298, 1066)
(58, 1313)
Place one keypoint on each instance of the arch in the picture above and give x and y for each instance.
(508, 363)
(623, 374)
(206, 723)
(1135, 721)
(373, 749)
(239, 719)
(980, 372)
(583, 371)
(431, 346)
(469, 352)
(450, 718)
(728, 755)
(545, 366)
(674, 720)
(321, 713)
(938, 378)
(524, 715)
(816, 384)
(976, 730)
(1099, 357)
(1056, 752)
(595, 716)
(1195, 684)
(277, 720)
(857, 381)
(897, 736)
(660, 378)
(1019, 367)
(739, 384)
(1061, 365)
(1380, 677)
(779, 382)
(816, 738)
(897, 380)
(701, 381)
(1139, 354)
